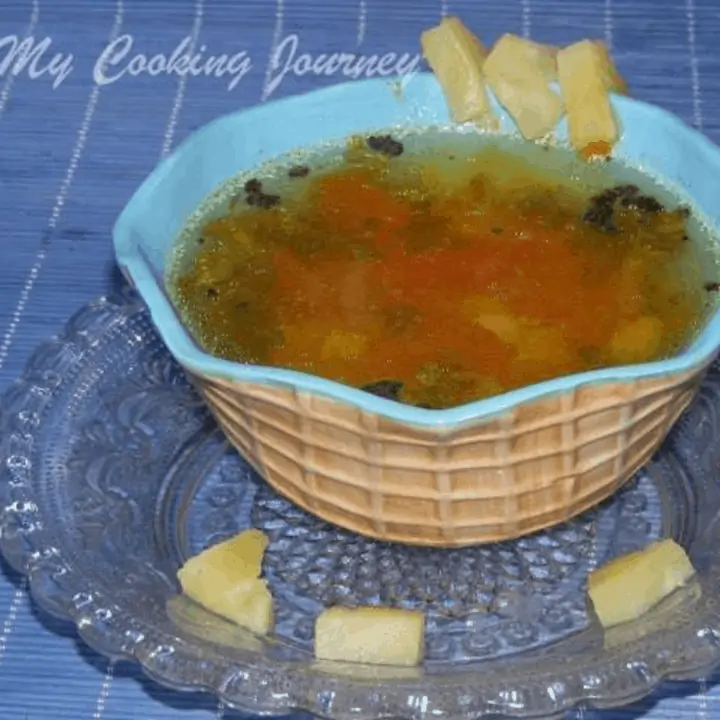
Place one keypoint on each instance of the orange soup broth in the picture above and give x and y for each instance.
(459, 279)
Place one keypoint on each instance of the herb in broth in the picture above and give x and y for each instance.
(442, 269)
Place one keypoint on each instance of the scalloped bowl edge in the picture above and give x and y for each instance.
(686, 166)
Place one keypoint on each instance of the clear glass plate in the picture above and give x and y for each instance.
(113, 472)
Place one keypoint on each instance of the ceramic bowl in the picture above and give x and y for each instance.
(487, 471)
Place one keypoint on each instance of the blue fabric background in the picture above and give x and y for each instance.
(71, 155)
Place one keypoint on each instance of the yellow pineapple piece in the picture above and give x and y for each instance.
(629, 586)
(224, 580)
(491, 314)
(518, 72)
(587, 76)
(239, 558)
(535, 344)
(372, 635)
(506, 327)
(456, 56)
(248, 604)
(637, 341)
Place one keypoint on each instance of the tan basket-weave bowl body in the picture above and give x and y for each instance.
(534, 466)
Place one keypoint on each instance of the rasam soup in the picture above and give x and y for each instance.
(441, 268)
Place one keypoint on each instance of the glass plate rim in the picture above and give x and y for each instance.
(274, 687)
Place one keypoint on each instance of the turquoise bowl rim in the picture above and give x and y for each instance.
(181, 345)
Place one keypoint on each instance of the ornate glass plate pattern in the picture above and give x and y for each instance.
(112, 472)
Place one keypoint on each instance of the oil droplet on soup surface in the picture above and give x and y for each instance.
(438, 269)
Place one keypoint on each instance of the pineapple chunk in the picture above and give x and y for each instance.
(503, 326)
(249, 605)
(629, 586)
(519, 79)
(490, 313)
(637, 341)
(236, 559)
(372, 635)
(224, 580)
(586, 77)
(456, 57)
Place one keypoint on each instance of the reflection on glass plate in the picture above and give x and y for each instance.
(113, 472)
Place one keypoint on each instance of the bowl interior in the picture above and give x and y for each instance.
(652, 140)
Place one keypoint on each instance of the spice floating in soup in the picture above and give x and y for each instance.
(441, 268)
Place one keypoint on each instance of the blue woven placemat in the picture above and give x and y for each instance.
(76, 141)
